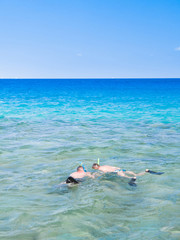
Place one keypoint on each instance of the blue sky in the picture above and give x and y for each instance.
(89, 38)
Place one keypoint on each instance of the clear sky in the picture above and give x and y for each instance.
(89, 38)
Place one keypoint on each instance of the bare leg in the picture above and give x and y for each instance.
(142, 173)
(131, 173)
(122, 174)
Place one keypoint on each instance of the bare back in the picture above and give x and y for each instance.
(81, 174)
(107, 168)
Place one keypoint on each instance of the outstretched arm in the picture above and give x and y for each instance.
(97, 174)
(88, 174)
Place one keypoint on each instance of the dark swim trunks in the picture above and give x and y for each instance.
(71, 180)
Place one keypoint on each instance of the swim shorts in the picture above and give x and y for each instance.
(118, 170)
(71, 180)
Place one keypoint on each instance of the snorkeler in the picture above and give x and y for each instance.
(119, 171)
(78, 176)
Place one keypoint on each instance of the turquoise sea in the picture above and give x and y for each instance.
(49, 126)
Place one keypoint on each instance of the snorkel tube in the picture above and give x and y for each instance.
(83, 167)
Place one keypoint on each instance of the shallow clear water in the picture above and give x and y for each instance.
(48, 127)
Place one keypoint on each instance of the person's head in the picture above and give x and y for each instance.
(80, 169)
(95, 166)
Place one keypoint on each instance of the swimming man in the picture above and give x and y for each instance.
(119, 171)
(78, 176)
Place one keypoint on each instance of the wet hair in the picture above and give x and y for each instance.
(95, 165)
(79, 168)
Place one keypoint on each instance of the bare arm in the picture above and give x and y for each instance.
(97, 174)
(88, 174)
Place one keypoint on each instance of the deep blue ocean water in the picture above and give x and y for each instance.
(50, 126)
